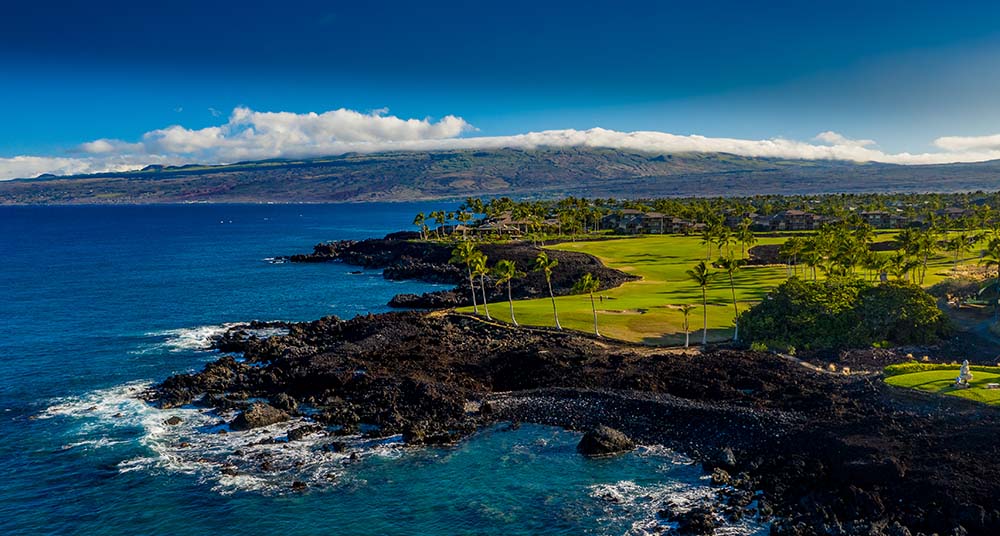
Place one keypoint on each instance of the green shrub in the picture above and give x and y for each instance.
(758, 346)
(844, 313)
(901, 313)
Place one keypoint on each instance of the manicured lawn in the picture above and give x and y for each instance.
(943, 381)
(646, 310)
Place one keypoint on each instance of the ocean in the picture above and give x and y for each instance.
(97, 303)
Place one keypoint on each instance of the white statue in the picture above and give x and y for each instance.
(964, 376)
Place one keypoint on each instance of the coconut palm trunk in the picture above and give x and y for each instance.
(704, 316)
(736, 309)
(486, 306)
(472, 288)
(510, 301)
(555, 313)
(593, 307)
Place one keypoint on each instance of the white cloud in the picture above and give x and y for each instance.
(969, 143)
(253, 135)
(835, 138)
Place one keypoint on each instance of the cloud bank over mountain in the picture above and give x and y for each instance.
(253, 135)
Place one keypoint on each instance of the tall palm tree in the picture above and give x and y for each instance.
(961, 243)
(707, 239)
(724, 238)
(545, 265)
(440, 217)
(463, 219)
(480, 270)
(745, 235)
(900, 265)
(686, 311)
(730, 266)
(504, 272)
(790, 250)
(419, 221)
(462, 256)
(811, 256)
(990, 259)
(588, 284)
(927, 244)
(702, 277)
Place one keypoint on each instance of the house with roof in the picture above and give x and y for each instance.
(883, 219)
(796, 220)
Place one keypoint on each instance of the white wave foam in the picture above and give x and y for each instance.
(200, 338)
(629, 501)
(187, 339)
(255, 460)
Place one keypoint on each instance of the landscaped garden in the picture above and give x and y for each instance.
(940, 379)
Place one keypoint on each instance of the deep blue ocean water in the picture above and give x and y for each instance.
(97, 302)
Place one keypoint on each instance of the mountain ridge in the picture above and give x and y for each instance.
(524, 173)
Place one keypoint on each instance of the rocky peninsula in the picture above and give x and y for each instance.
(400, 257)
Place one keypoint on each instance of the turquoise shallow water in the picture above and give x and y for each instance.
(96, 302)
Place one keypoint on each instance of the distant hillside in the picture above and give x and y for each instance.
(550, 172)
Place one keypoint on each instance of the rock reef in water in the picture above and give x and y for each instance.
(256, 416)
(604, 441)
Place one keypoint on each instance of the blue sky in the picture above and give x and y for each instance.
(900, 73)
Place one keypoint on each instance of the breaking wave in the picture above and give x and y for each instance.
(201, 443)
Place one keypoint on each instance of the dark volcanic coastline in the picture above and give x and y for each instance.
(821, 452)
(400, 258)
(833, 453)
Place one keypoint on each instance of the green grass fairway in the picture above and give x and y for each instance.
(645, 311)
(943, 381)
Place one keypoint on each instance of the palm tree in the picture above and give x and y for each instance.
(686, 310)
(708, 238)
(589, 284)
(439, 217)
(504, 272)
(463, 255)
(724, 239)
(463, 219)
(745, 235)
(900, 265)
(962, 243)
(419, 221)
(730, 266)
(480, 270)
(545, 265)
(702, 276)
(790, 250)
(991, 258)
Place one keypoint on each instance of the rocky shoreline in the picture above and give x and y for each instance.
(400, 257)
(825, 453)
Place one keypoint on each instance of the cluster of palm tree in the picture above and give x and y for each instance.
(440, 218)
(505, 271)
(991, 259)
(717, 233)
(703, 276)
